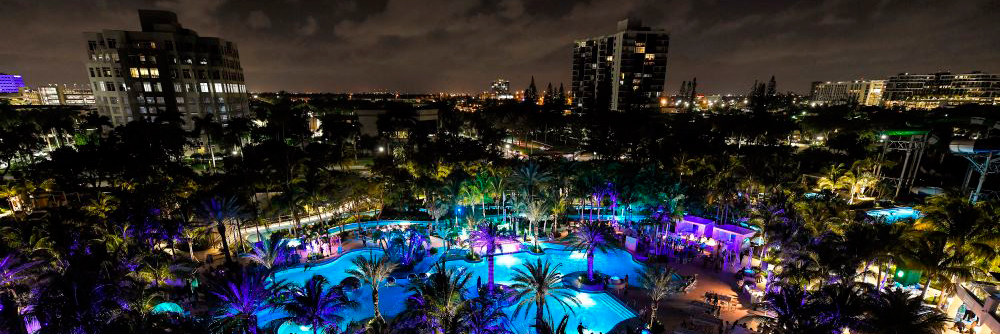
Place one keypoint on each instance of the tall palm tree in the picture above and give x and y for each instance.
(535, 211)
(239, 301)
(538, 284)
(592, 236)
(488, 234)
(315, 303)
(658, 280)
(894, 311)
(372, 271)
(222, 212)
(212, 131)
(12, 273)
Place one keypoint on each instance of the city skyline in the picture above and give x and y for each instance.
(462, 47)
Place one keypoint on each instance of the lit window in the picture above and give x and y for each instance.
(650, 56)
(218, 87)
(640, 49)
(154, 72)
(144, 72)
(204, 87)
(147, 87)
(611, 58)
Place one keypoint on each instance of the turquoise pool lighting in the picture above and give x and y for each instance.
(598, 312)
(167, 307)
(893, 215)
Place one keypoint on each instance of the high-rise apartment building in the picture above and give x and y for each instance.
(861, 92)
(10, 83)
(500, 90)
(66, 95)
(625, 70)
(927, 91)
(164, 67)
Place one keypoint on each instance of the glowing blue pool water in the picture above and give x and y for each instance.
(598, 312)
(167, 307)
(893, 215)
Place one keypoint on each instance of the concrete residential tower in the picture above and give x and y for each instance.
(165, 67)
(623, 71)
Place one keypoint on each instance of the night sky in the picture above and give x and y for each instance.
(460, 46)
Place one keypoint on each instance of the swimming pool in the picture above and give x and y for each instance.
(598, 312)
(892, 215)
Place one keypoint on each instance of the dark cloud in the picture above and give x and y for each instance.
(451, 45)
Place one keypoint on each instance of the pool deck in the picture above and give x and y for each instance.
(675, 309)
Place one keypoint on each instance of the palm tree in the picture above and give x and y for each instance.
(11, 274)
(436, 208)
(372, 271)
(538, 284)
(239, 301)
(657, 279)
(590, 237)
(269, 253)
(530, 177)
(488, 234)
(190, 234)
(928, 253)
(315, 303)
(894, 311)
(486, 315)
(212, 131)
(546, 327)
(439, 302)
(221, 212)
(535, 211)
(792, 310)
(965, 226)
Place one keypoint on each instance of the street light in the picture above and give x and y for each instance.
(381, 149)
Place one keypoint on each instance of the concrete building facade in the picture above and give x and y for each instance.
(164, 67)
(861, 92)
(928, 91)
(626, 70)
(65, 95)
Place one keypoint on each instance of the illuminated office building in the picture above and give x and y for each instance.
(10, 83)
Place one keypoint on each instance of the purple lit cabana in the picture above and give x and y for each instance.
(732, 235)
(697, 226)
